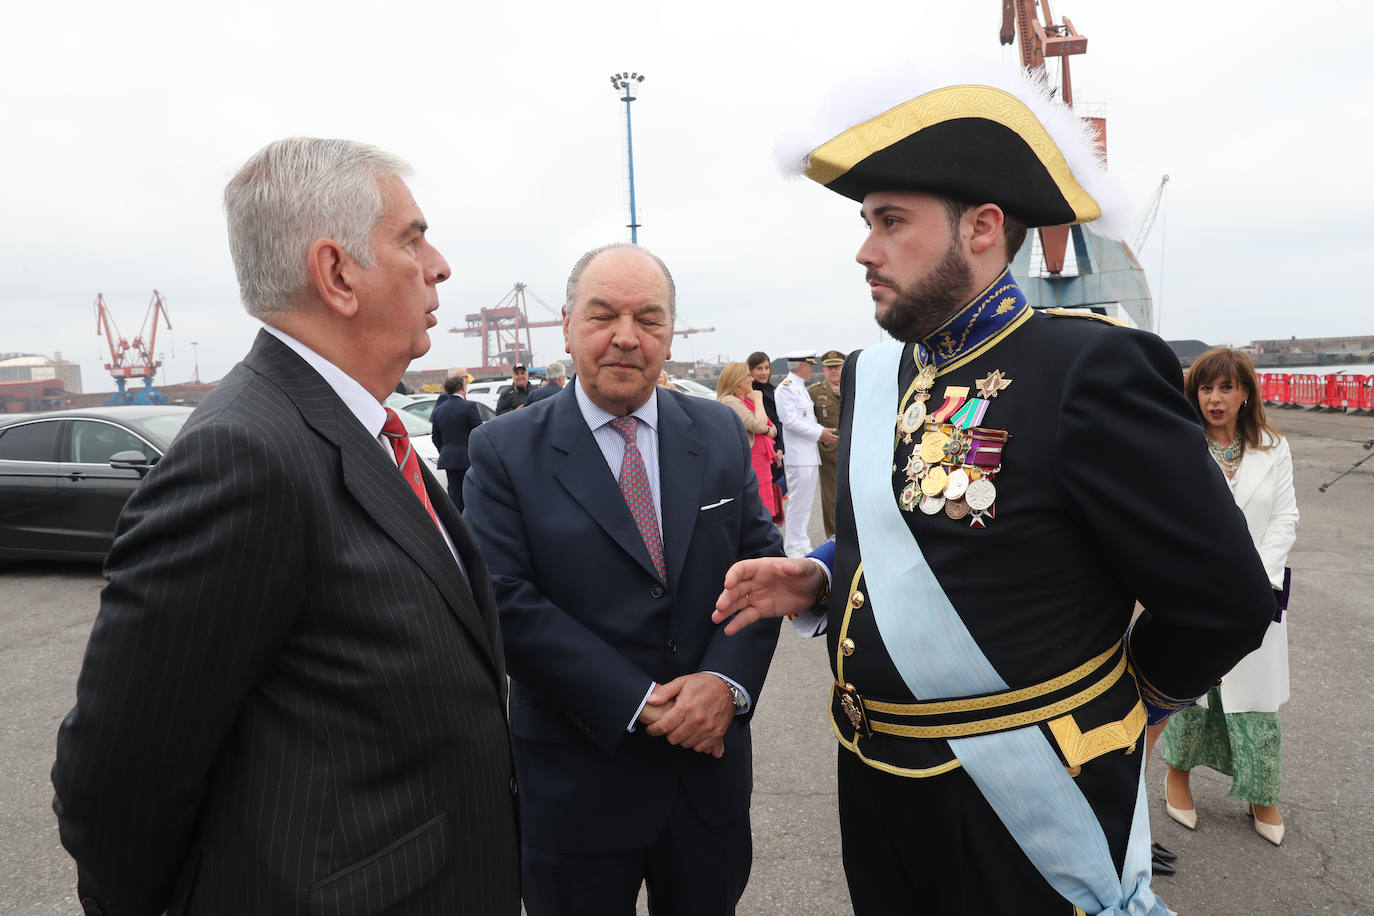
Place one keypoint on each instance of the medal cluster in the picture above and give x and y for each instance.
(953, 467)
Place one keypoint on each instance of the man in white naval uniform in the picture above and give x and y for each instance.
(798, 416)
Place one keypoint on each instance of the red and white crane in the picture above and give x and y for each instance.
(133, 360)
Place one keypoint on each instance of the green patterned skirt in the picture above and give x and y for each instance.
(1243, 745)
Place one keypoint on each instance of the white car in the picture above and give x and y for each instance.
(488, 392)
(416, 428)
(689, 386)
(423, 407)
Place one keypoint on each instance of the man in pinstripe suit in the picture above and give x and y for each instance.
(293, 697)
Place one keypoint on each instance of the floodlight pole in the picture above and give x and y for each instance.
(628, 85)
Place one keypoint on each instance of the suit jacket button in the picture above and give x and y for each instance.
(513, 787)
(672, 645)
(656, 591)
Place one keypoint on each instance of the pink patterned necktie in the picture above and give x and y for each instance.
(634, 483)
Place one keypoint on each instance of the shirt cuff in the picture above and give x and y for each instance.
(748, 700)
(634, 720)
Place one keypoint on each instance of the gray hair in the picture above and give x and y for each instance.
(555, 371)
(292, 193)
(576, 276)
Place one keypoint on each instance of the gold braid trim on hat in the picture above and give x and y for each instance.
(835, 157)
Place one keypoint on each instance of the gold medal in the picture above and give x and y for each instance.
(933, 484)
(925, 379)
(933, 446)
(993, 382)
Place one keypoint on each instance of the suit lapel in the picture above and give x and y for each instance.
(374, 482)
(681, 462)
(1253, 468)
(584, 473)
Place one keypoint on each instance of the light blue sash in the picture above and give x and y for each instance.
(1017, 771)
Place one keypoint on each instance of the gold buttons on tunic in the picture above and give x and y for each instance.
(857, 599)
(847, 646)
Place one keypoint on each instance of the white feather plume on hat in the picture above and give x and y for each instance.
(866, 97)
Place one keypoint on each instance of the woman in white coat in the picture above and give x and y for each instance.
(1235, 728)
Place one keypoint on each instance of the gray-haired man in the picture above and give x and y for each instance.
(293, 697)
(554, 378)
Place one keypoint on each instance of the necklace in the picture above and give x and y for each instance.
(1228, 456)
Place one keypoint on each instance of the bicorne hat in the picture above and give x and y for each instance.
(1003, 140)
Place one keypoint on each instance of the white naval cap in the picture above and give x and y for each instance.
(800, 356)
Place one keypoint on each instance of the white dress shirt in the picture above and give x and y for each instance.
(369, 411)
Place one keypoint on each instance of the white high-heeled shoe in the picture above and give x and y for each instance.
(1271, 832)
(1185, 816)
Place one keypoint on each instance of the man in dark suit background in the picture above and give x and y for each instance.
(453, 420)
(293, 696)
(630, 715)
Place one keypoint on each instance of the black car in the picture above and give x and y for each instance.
(65, 476)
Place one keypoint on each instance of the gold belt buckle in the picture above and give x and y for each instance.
(853, 706)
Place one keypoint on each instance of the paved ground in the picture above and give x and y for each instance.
(1323, 867)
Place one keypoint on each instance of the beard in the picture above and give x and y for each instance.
(940, 293)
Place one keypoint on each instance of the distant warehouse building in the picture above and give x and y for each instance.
(31, 367)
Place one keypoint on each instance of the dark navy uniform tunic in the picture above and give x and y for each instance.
(1106, 496)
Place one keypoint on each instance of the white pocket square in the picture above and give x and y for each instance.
(714, 505)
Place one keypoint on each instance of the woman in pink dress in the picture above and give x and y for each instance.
(734, 388)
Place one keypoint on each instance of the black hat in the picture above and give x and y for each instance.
(1004, 142)
(518, 367)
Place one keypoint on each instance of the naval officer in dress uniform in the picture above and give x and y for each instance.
(803, 464)
(825, 404)
(1010, 484)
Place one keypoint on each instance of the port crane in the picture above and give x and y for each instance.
(1109, 276)
(133, 360)
(500, 327)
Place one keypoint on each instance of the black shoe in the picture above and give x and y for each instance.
(1160, 867)
(1159, 852)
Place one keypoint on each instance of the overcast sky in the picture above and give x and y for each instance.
(123, 122)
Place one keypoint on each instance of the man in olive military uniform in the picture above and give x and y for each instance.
(1010, 483)
(825, 396)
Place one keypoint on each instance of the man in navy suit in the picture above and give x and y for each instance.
(453, 420)
(629, 710)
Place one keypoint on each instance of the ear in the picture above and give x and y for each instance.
(983, 227)
(332, 271)
(567, 321)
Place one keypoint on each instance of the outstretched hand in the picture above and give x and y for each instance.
(766, 587)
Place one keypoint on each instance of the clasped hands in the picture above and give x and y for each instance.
(691, 711)
(694, 710)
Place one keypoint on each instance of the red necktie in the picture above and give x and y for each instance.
(407, 460)
(634, 483)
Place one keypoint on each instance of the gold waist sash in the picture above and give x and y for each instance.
(987, 713)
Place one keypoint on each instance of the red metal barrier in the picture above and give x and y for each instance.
(1308, 390)
(1344, 391)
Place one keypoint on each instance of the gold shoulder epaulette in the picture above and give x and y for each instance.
(1071, 313)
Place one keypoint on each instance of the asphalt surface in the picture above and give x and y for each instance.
(1324, 866)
